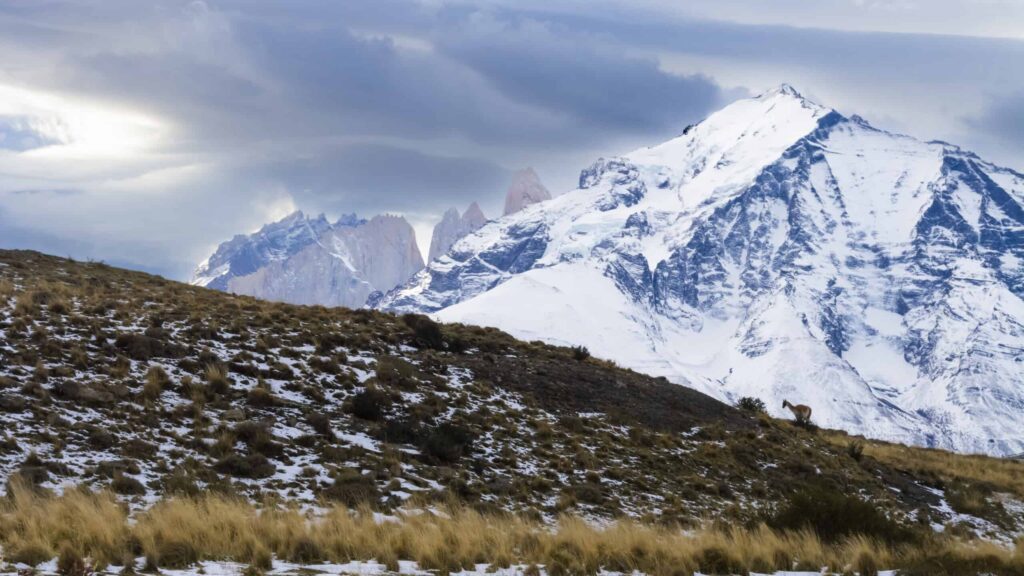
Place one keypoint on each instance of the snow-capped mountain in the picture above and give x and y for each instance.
(453, 227)
(305, 260)
(782, 250)
(525, 189)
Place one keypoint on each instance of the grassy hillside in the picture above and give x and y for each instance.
(152, 388)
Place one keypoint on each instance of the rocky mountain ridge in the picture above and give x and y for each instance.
(305, 260)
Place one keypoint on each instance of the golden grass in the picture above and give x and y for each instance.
(1001, 473)
(176, 533)
(6, 290)
(94, 524)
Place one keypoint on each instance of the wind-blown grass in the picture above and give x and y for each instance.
(178, 532)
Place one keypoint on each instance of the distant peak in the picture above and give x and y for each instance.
(785, 90)
(526, 189)
(473, 212)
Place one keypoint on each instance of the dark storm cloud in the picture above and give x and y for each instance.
(307, 77)
(564, 70)
(362, 178)
(884, 57)
(1004, 118)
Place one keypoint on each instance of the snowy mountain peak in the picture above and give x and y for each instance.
(777, 249)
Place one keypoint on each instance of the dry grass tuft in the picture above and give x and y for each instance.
(1004, 474)
(180, 532)
(94, 525)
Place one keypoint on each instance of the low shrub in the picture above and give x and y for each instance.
(833, 515)
(855, 449)
(426, 333)
(248, 466)
(370, 404)
(447, 443)
(751, 404)
(126, 485)
(352, 489)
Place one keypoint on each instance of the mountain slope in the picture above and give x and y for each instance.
(782, 250)
(120, 379)
(310, 261)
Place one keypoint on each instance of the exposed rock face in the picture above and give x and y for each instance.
(247, 253)
(452, 227)
(308, 261)
(526, 189)
(780, 250)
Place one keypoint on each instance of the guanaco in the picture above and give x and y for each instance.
(802, 412)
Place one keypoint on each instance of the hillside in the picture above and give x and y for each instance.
(155, 388)
(780, 249)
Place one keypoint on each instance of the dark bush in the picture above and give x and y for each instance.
(447, 443)
(177, 554)
(589, 492)
(426, 332)
(304, 550)
(833, 515)
(12, 403)
(580, 353)
(720, 560)
(370, 404)
(405, 431)
(352, 488)
(249, 466)
(855, 449)
(751, 404)
(262, 397)
(321, 424)
(142, 347)
(126, 485)
(258, 437)
(395, 372)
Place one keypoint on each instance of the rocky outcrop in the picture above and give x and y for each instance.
(526, 189)
(453, 227)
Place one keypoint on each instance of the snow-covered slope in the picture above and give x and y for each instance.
(305, 260)
(782, 250)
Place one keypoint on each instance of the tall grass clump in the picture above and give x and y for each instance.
(179, 532)
(90, 524)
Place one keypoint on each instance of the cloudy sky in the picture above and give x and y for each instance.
(144, 132)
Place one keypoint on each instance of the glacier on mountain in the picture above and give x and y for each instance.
(782, 250)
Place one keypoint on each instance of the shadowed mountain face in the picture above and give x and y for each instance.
(782, 250)
(304, 260)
